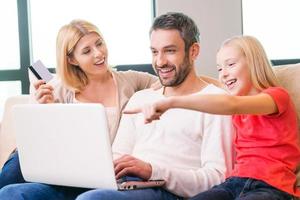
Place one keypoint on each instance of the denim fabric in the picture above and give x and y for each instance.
(143, 194)
(236, 188)
(11, 172)
(39, 191)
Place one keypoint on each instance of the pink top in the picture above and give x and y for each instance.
(267, 146)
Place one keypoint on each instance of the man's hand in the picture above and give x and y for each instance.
(129, 165)
(152, 111)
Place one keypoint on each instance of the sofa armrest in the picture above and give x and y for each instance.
(7, 136)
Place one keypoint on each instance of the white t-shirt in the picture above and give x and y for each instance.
(191, 150)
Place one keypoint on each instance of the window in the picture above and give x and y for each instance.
(9, 39)
(275, 24)
(9, 51)
(125, 28)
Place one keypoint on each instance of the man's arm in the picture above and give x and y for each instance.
(123, 145)
(216, 160)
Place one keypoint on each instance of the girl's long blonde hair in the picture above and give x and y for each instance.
(261, 72)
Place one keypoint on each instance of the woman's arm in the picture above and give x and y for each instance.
(141, 80)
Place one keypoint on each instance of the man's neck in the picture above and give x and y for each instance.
(190, 85)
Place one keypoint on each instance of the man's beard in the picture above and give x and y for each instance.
(180, 75)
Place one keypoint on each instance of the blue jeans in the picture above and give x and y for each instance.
(142, 194)
(11, 172)
(39, 191)
(236, 188)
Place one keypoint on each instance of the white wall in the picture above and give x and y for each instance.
(216, 19)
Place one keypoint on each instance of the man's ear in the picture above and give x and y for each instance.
(72, 61)
(194, 50)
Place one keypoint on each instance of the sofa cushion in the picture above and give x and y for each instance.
(288, 76)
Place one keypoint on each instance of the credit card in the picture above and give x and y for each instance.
(40, 71)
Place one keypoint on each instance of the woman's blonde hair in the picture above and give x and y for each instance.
(261, 72)
(68, 36)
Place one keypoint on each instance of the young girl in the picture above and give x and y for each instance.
(266, 141)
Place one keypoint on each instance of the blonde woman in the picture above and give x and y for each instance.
(84, 76)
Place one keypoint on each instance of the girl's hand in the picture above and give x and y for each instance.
(44, 92)
(151, 111)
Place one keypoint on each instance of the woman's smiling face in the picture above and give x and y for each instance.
(90, 54)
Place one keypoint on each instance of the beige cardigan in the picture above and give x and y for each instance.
(127, 82)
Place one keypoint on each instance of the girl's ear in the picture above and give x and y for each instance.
(194, 51)
(72, 61)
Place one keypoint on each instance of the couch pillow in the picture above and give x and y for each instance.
(288, 76)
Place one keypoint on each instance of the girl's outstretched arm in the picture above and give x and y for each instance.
(226, 104)
(215, 104)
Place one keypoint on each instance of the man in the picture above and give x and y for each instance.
(190, 150)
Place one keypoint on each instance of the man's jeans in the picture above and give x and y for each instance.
(236, 188)
(39, 191)
(143, 194)
(11, 172)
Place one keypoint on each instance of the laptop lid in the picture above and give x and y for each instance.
(64, 144)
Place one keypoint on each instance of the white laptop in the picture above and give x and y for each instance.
(64, 144)
(68, 144)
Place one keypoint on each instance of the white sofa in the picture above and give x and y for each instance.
(7, 136)
(287, 74)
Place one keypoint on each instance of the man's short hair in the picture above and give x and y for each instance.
(185, 25)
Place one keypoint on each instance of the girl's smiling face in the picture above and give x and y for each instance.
(234, 71)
